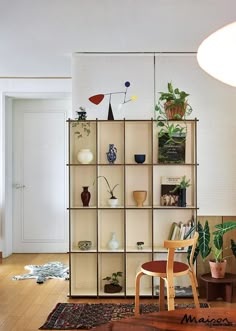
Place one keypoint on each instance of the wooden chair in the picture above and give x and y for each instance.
(167, 270)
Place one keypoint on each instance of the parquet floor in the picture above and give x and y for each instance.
(25, 305)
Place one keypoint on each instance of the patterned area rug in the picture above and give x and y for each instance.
(73, 316)
(42, 272)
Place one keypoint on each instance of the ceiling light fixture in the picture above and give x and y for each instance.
(217, 54)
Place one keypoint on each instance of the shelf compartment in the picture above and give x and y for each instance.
(83, 274)
(110, 133)
(133, 264)
(110, 221)
(138, 179)
(86, 141)
(107, 264)
(79, 177)
(114, 175)
(138, 140)
(141, 221)
(83, 227)
(177, 171)
(162, 221)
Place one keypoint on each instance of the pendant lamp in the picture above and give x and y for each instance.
(217, 54)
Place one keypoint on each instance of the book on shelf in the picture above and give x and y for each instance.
(171, 151)
(179, 231)
(169, 196)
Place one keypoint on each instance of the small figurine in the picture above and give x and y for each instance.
(140, 244)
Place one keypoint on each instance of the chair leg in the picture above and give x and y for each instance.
(137, 293)
(170, 294)
(162, 294)
(194, 289)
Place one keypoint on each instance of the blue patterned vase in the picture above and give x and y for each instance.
(111, 154)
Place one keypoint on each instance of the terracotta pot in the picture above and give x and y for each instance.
(140, 197)
(218, 268)
(171, 112)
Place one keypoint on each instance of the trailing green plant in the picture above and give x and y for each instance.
(82, 126)
(204, 245)
(110, 189)
(167, 100)
(114, 278)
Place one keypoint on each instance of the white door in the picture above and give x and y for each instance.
(39, 176)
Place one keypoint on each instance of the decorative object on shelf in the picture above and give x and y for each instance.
(114, 283)
(169, 192)
(82, 114)
(85, 196)
(140, 244)
(113, 201)
(139, 158)
(140, 197)
(97, 99)
(217, 249)
(181, 189)
(172, 105)
(111, 154)
(171, 152)
(85, 245)
(113, 244)
(82, 125)
(85, 156)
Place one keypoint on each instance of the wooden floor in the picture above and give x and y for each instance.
(25, 305)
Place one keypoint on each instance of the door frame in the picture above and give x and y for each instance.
(7, 189)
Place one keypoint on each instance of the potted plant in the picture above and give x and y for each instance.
(113, 285)
(181, 189)
(205, 246)
(112, 201)
(172, 105)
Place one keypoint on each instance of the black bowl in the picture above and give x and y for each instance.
(139, 158)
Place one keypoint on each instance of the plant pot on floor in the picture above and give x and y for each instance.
(218, 268)
(112, 288)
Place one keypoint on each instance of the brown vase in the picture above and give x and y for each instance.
(140, 197)
(218, 268)
(85, 196)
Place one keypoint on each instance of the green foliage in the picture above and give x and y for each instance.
(204, 246)
(110, 189)
(176, 98)
(114, 278)
(184, 183)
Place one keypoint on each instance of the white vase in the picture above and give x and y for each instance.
(113, 202)
(113, 244)
(85, 156)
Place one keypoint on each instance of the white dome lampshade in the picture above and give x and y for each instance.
(217, 54)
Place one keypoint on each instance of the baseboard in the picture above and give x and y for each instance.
(0, 257)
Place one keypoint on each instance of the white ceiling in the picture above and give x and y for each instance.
(38, 37)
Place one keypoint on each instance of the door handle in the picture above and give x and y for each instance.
(18, 186)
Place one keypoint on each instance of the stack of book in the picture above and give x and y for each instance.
(179, 231)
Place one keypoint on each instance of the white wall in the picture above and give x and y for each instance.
(20, 88)
(211, 100)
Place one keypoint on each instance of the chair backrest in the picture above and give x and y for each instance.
(173, 245)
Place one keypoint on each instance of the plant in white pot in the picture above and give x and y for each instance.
(205, 247)
(112, 201)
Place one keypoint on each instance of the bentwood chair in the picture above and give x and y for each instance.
(167, 270)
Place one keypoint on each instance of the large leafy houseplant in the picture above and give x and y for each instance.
(172, 105)
(216, 248)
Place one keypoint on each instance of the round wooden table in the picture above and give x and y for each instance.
(202, 319)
